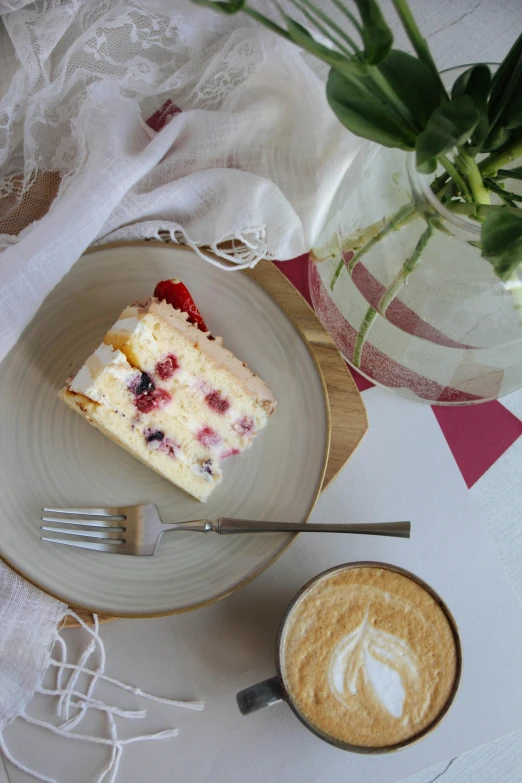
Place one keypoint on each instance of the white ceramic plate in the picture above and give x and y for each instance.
(50, 456)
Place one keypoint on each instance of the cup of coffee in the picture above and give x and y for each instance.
(368, 657)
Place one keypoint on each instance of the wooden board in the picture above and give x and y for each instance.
(348, 415)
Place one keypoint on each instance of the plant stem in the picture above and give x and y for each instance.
(473, 210)
(471, 170)
(266, 22)
(407, 268)
(456, 177)
(369, 318)
(396, 221)
(389, 295)
(326, 19)
(341, 6)
(510, 173)
(490, 165)
(417, 41)
(439, 183)
(505, 195)
(302, 6)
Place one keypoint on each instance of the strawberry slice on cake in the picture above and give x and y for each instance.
(163, 388)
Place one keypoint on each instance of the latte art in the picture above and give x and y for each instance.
(369, 657)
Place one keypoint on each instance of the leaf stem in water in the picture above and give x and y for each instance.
(502, 157)
(472, 172)
(456, 177)
(369, 318)
(407, 268)
(396, 221)
(391, 292)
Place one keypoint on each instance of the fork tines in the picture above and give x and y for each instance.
(98, 528)
(89, 512)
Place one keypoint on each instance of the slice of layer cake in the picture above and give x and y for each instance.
(169, 392)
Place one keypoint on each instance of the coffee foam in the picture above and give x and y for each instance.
(369, 657)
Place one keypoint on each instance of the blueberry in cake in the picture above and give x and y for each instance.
(167, 391)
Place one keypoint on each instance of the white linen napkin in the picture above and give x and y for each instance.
(28, 621)
(29, 636)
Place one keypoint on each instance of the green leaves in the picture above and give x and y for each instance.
(364, 113)
(391, 109)
(505, 102)
(476, 82)
(398, 100)
(506, 99)
(502, 240)
(376, 35)
(414, 85)
(449, 125)
(506, 154)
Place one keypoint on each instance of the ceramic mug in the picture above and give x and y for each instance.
(278, 688)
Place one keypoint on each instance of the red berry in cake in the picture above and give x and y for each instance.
(170, 447)
(229, 453)
(177, 294)
(167, 367)
(207, 437)
(216, 402)
(149, 402)
(244, 426)
(144, 404)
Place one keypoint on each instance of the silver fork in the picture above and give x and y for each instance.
(136, 530)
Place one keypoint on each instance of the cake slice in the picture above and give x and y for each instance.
(168, 392)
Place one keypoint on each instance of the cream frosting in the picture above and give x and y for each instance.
(133, 325)
(105, 358)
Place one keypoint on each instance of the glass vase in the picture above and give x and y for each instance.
(419, 311)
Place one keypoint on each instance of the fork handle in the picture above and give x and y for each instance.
(225, 525)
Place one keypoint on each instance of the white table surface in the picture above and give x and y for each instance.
(139, 652)
(216, 651)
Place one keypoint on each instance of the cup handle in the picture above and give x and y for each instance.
(262, 694)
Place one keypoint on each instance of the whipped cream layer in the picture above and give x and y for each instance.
(104, 360)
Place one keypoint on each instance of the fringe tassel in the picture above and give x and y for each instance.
(72, 700)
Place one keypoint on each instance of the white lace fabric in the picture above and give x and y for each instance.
(240, 146)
